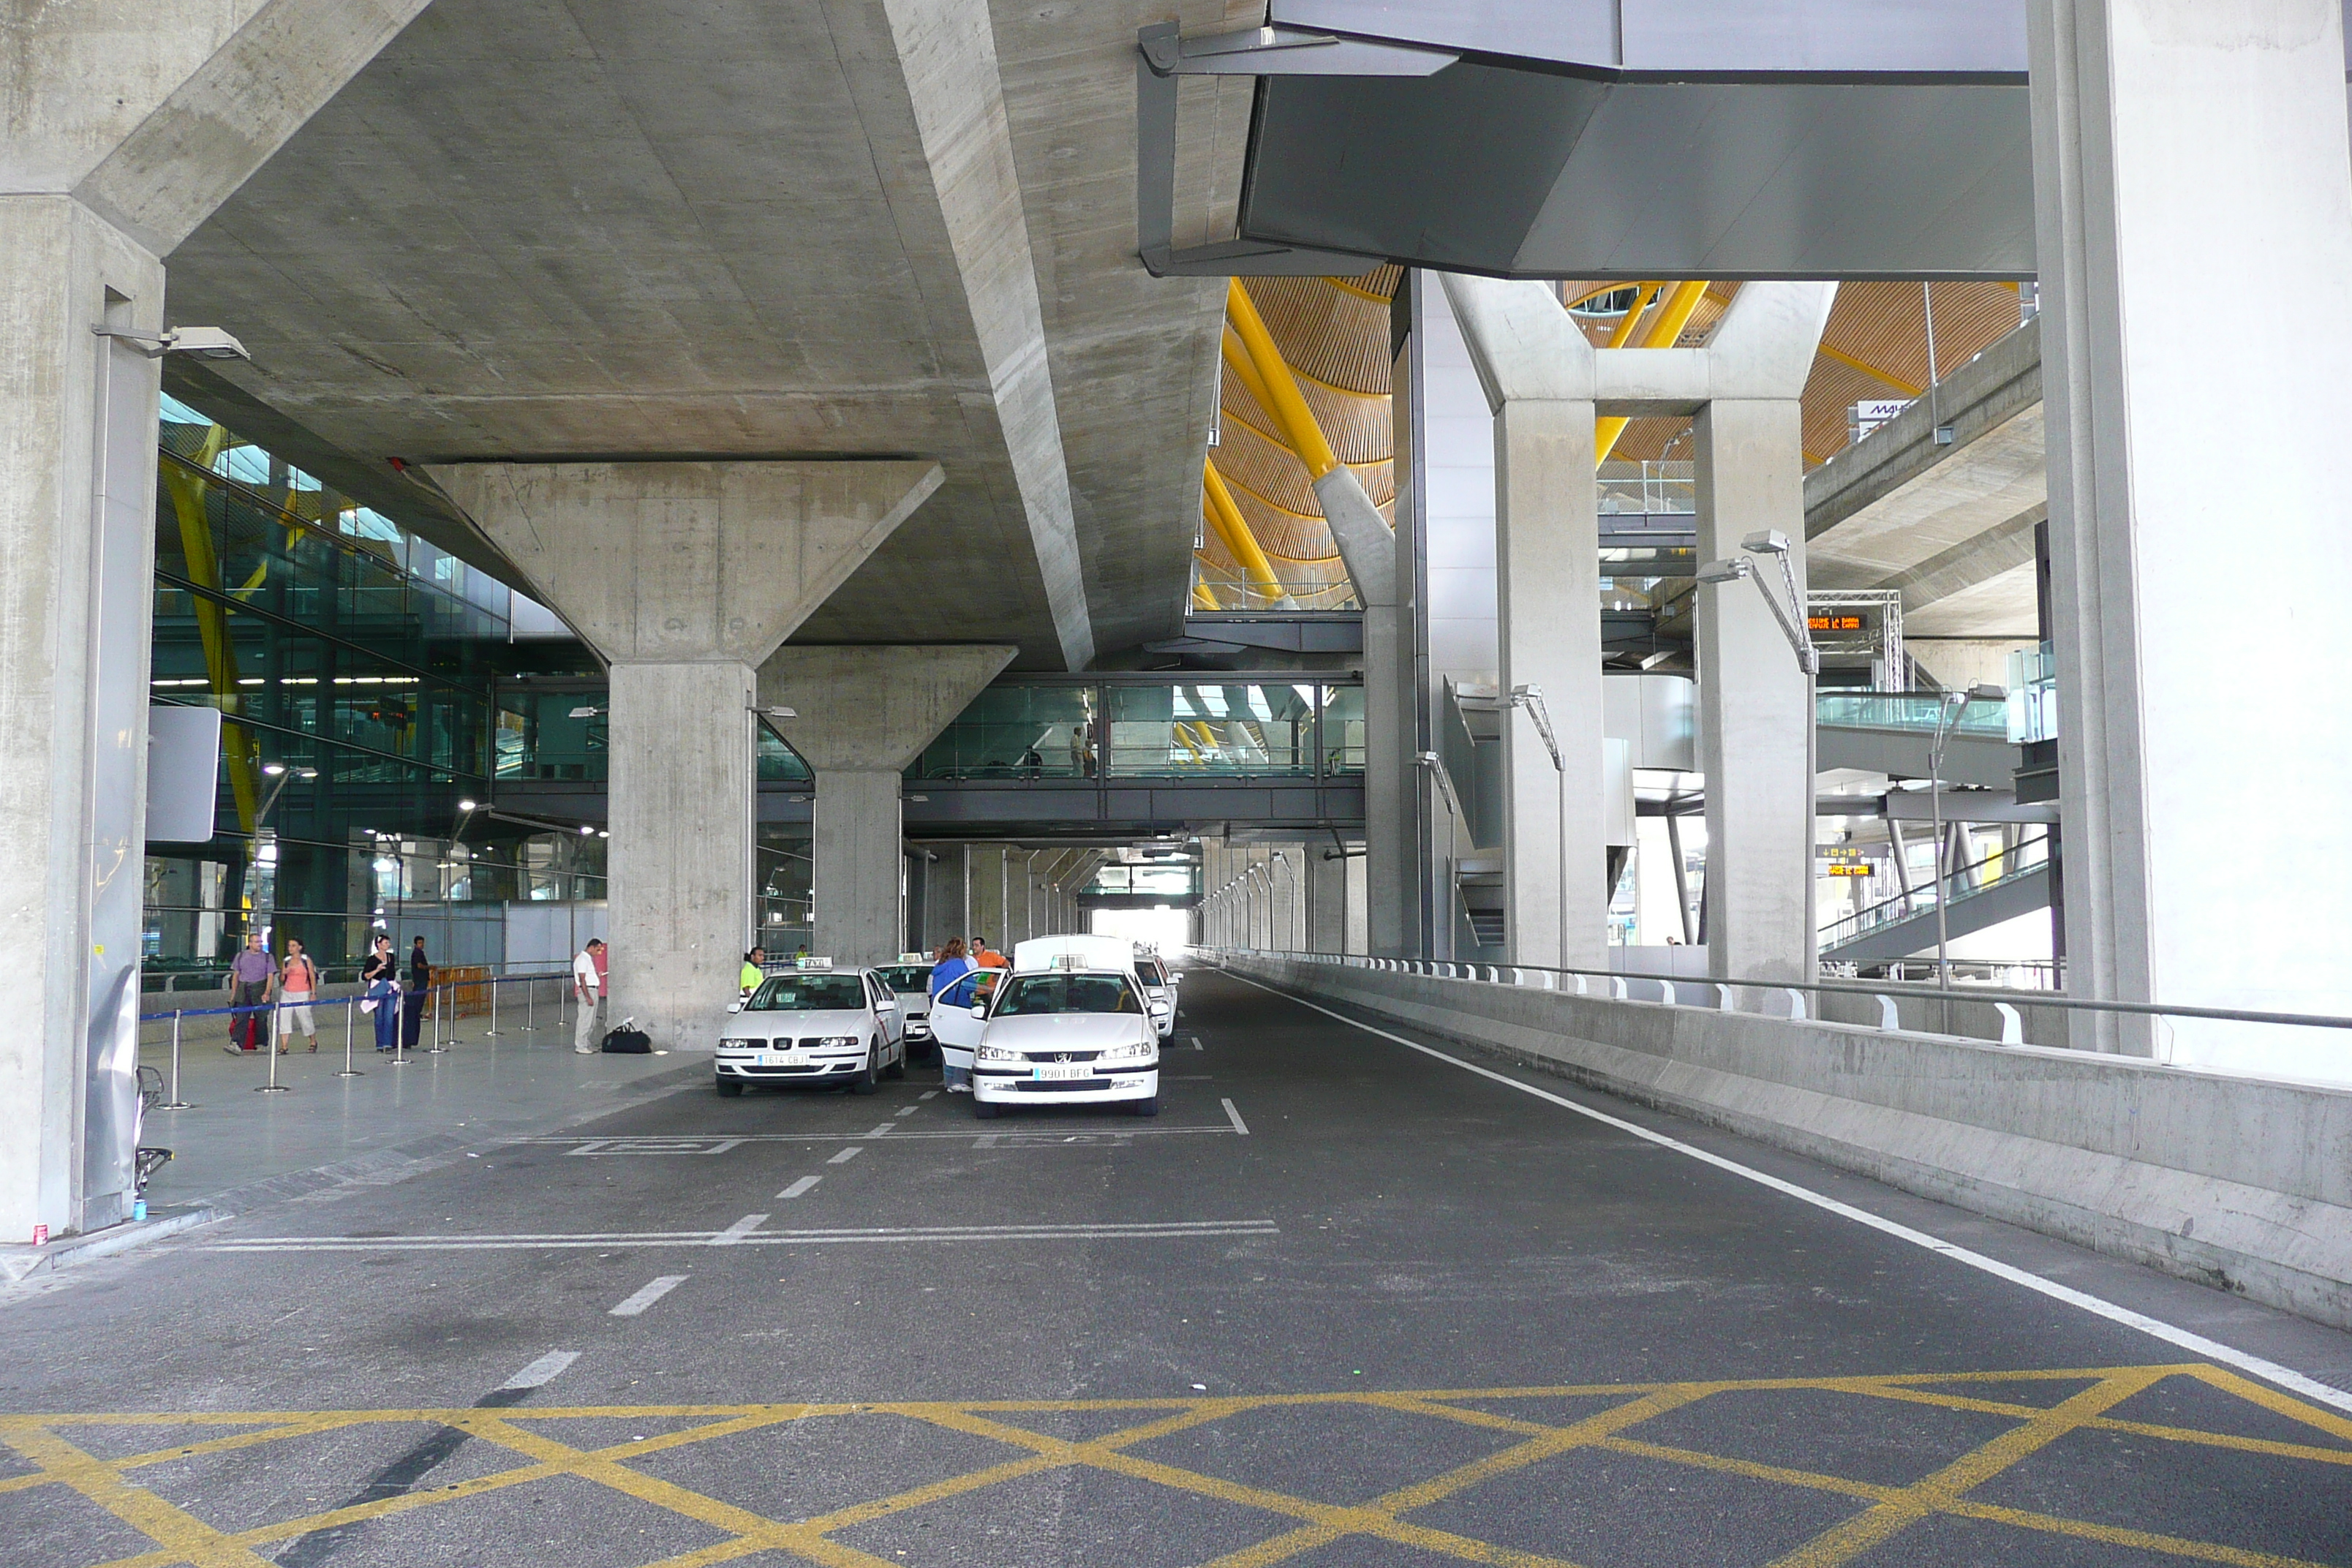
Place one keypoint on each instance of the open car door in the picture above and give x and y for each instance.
(955, 1029)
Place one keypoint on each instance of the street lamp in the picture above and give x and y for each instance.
(1792, 619)
(1949, 708)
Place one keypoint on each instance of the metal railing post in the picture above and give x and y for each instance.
(399, 1027)
(492, 1032)
(531, 1004)
(269, 1046)
(175, 1103)
(350, 1010)
(433, 1003)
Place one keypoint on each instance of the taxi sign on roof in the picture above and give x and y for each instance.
(914, 958)
(813, 963)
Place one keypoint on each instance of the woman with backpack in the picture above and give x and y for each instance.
(298, 982)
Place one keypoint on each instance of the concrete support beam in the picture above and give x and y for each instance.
(1756, 723)
(862, 715)
(683, 576)
(1537, 368)
(2167, 140)
(1327, 900)
(948, 50)
(127, 125)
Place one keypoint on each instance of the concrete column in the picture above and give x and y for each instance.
(683, 576)
(1326, 898)
(128, 125)
(1537, 368)
(2168, 137)
(862, 715)
(1755, 701)
(1392, 730)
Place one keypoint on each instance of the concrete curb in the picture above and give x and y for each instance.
(18, 1263)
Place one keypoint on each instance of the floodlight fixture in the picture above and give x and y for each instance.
(1767, 542)
(468, 806)
(587, 828)
(273, 769)
(1730, 571)
(204, 343)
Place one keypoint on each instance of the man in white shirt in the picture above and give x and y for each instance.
(588, 988)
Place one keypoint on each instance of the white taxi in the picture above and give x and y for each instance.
(824, 1026)
(1071, 1034)
(1159, 992)
(909, 981)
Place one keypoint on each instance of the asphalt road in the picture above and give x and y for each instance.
(1342, 1303)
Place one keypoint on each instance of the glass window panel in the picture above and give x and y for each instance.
(1343, 730)
(1189, 729)
(1017, 732)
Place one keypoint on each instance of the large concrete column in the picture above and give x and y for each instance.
(683, 576)
(1537, 368)
(127, 124)
(861, 716)
(2169, 139)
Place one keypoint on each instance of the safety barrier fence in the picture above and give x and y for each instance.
(467, 993)
(1788, 999)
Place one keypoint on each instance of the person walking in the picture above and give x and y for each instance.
(251, 978)
(381, 975)
(588, 986)
(297, 983)
(420, 986)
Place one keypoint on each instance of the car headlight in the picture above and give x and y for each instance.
(995, 1054)
(1132, 1051)
(918, 1026)
(839, 1043)
(742, 1044)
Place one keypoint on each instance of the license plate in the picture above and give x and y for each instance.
(773, 1058)
(1065, 1070)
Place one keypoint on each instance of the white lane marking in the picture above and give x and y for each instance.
(1197, 1044)
(740, 1229)
(845, 1157)
(927, 1094)
(543, 1371)
(2156, 1327)
(1105, 1230)
(797, 1188)
(647, 1294)
(1235, 1118)
(907, 1112)
(881, 1129)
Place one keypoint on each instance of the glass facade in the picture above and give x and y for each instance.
(1015, 731)
(355, 666)
(1187, 729)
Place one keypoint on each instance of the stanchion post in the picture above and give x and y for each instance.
(492, 1032)
(269, 1048)
(433, 1015)
(531, 1004)
(399, 1027)
(175, 1103)
(350, 1011)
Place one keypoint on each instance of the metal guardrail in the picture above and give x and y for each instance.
(1445, 969)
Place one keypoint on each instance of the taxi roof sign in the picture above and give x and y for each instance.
(914, 958)
(806, 962)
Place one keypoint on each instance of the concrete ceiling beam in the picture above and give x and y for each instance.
(874, 709)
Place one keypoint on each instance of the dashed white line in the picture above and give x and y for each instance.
(797, 1188)
(732, 1236)
(927, 1094)
(739, 1230)
(885, 1127)
(2228, 1355)
(1235, 1118)
(909, 1110)
(543, 1371)
(1197, 1044)
(647, 1294)
(845, 1157)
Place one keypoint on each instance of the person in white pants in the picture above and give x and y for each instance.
(588, 988)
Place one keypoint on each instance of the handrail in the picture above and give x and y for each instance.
(1981, 994)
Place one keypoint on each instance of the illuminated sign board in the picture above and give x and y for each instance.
(1846, 862)
(1836, 624)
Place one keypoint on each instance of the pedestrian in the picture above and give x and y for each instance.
(251, 978)
(297, 983)
(754, 971)
(420, 986)
(381, 975)
(950, 966)
(986, 957)
(588, 985)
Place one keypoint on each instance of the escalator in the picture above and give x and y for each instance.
(1904, 925)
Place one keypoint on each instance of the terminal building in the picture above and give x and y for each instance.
(1680, 556)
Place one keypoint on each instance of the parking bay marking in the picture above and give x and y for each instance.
(847, 1155)
(647, 1295)
(803, 1185)
(736, 1235)
(543, 1371)
(1240, 1126)
(616, 1146)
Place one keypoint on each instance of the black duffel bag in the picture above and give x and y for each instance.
(628, 1040)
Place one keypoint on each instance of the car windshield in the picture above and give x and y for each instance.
(905, 976)
(809, 993)
(1150, 973)
(1068, 994)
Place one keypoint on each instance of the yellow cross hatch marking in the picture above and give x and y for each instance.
(1296, 1525)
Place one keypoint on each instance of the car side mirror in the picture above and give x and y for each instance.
(734, 1007)
(887, 1004)
(979, 1010)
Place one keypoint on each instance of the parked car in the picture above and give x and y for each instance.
(909, 980)
(838, 1026)
(1066, 1035)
